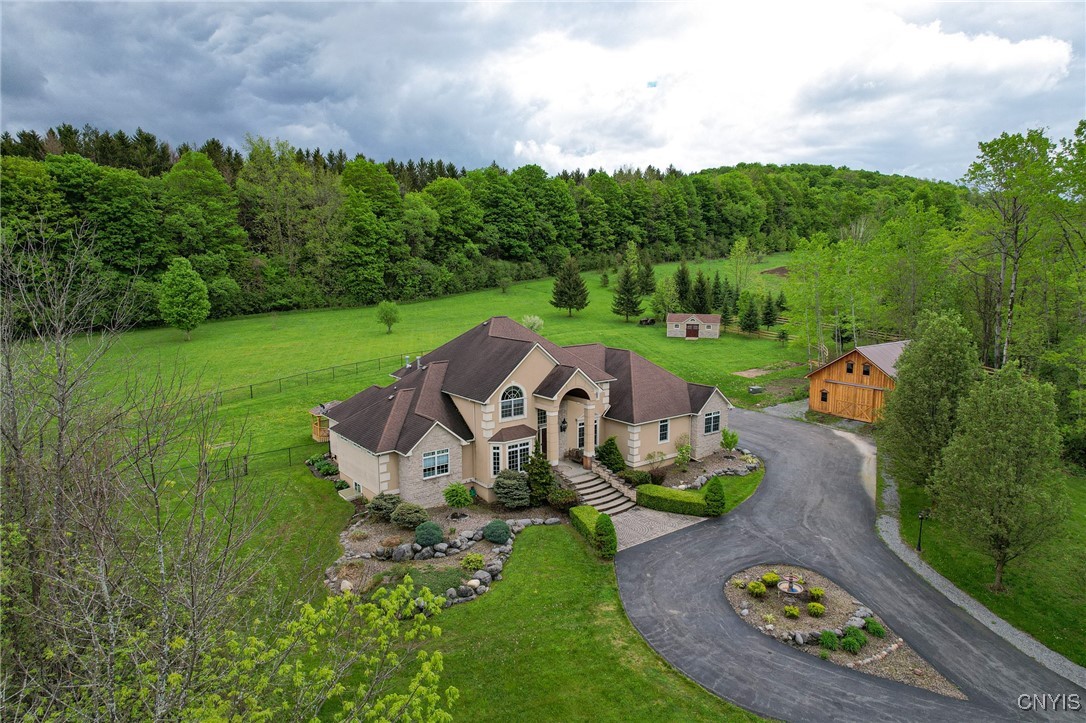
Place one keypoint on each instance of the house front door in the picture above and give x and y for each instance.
(691, 331)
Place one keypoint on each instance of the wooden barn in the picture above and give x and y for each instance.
(693, 326)
(854, 385)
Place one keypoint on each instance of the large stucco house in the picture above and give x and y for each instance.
(478, 405)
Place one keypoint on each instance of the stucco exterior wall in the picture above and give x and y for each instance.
(703, 444)
(355, 464)
(648, 440)
(428, 492)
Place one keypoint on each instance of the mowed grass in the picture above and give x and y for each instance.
(550, 642)
(1045, 595)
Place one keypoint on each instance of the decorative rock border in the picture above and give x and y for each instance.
(751, 464)
(481, 580)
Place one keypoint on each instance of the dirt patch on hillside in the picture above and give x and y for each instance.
(760, 371)
(777, 271)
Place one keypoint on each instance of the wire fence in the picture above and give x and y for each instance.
(240, 465)
(314, 376)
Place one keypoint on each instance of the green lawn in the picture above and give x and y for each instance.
(551, 642)
(1045, 594)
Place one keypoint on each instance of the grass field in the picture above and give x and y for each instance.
(551, 642)
(1044, 594)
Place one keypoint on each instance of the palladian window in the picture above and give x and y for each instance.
(512, 403)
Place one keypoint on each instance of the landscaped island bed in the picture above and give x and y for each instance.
(888, 656)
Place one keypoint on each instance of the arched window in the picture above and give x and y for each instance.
(512, 403)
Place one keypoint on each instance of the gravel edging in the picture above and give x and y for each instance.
(890, 532)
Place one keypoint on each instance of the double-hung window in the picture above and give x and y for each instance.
(518, 454)
(712, 422)
(512, 403)
(580, 434)
(495, 460)
(665, 429)
(435, 464)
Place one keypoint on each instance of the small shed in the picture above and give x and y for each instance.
(320, 420)
(693, 326)
(854, 384)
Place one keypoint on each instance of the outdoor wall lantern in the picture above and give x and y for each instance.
(562, 425)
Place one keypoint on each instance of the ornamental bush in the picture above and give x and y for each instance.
(635, 477)
(791, 611)
(715, 503)
(851, 645)
(428, 534)
(471, 562)
(771, 579)
(457, 495)
(816, 610)
(816, 594)
(829, 640)
(540, 477)
(383, 505)
(511, 489)
(562, 499)
(409, 516)
(756, 589)
(658, 476)
(606, 538)
(875, 627)
(497, 532)
(609, 456)
(668, 499)
(583, 519)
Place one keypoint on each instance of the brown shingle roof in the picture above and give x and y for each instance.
(484, 356)
(395, 418)
(517, 431)
(659, 393)
(884, 356)
(553, 382)
(703, 318)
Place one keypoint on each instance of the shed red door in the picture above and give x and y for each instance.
(692, 331)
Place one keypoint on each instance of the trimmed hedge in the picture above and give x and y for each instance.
(583, 518)
(668, 499)
(606, 537)
(635, 477)
(562, 499)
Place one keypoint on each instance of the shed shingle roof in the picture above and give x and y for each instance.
(703, 318)
(884, 356)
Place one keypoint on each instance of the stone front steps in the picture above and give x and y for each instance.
(593, 490)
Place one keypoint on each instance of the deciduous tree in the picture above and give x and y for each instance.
(183, 301)
(388, 314)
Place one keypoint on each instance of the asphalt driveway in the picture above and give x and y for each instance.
(812, 509)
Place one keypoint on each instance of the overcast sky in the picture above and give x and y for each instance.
(890, 86)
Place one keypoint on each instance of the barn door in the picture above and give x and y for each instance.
(691, 331)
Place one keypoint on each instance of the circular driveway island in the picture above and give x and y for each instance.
(815, 509)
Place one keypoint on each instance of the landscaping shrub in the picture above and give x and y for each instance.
(853, 640)
(714, 497)
(471, 562)
(409, 516)
(609, 455)
(816, 610)
(383, 505)
(829, 640)
(341, 485)
(635, 477)
(606, 538)
(457, 495)
(428, 534)
(497, 532)
(769, 618)
(326, 468)
(771, 579)
(358, 535)
(562, 499)
(791, 611)
(583, 519)
(683, 451)
(392, 541)
(739, 583)
(756, 589)
(540, 477)
(668, 499)
(658, 476)
(824, 654)
(816, 594)
(511, 489)
(729, 440)
(875, 628)
(314, 459)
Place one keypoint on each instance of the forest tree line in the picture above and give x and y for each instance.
(276, 227)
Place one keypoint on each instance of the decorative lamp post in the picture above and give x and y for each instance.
(922, 515)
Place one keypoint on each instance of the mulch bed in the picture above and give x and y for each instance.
(888, 657)
(365, 533)
(717, 460)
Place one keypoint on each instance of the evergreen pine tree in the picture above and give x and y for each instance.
(540, 477)
(716, 297)
(570, 291)
(646, 276)
(748, 318)
(782, 303)
(769, 312)
(699, 295)
(682, 285)
(627, 301)
(725, 315)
